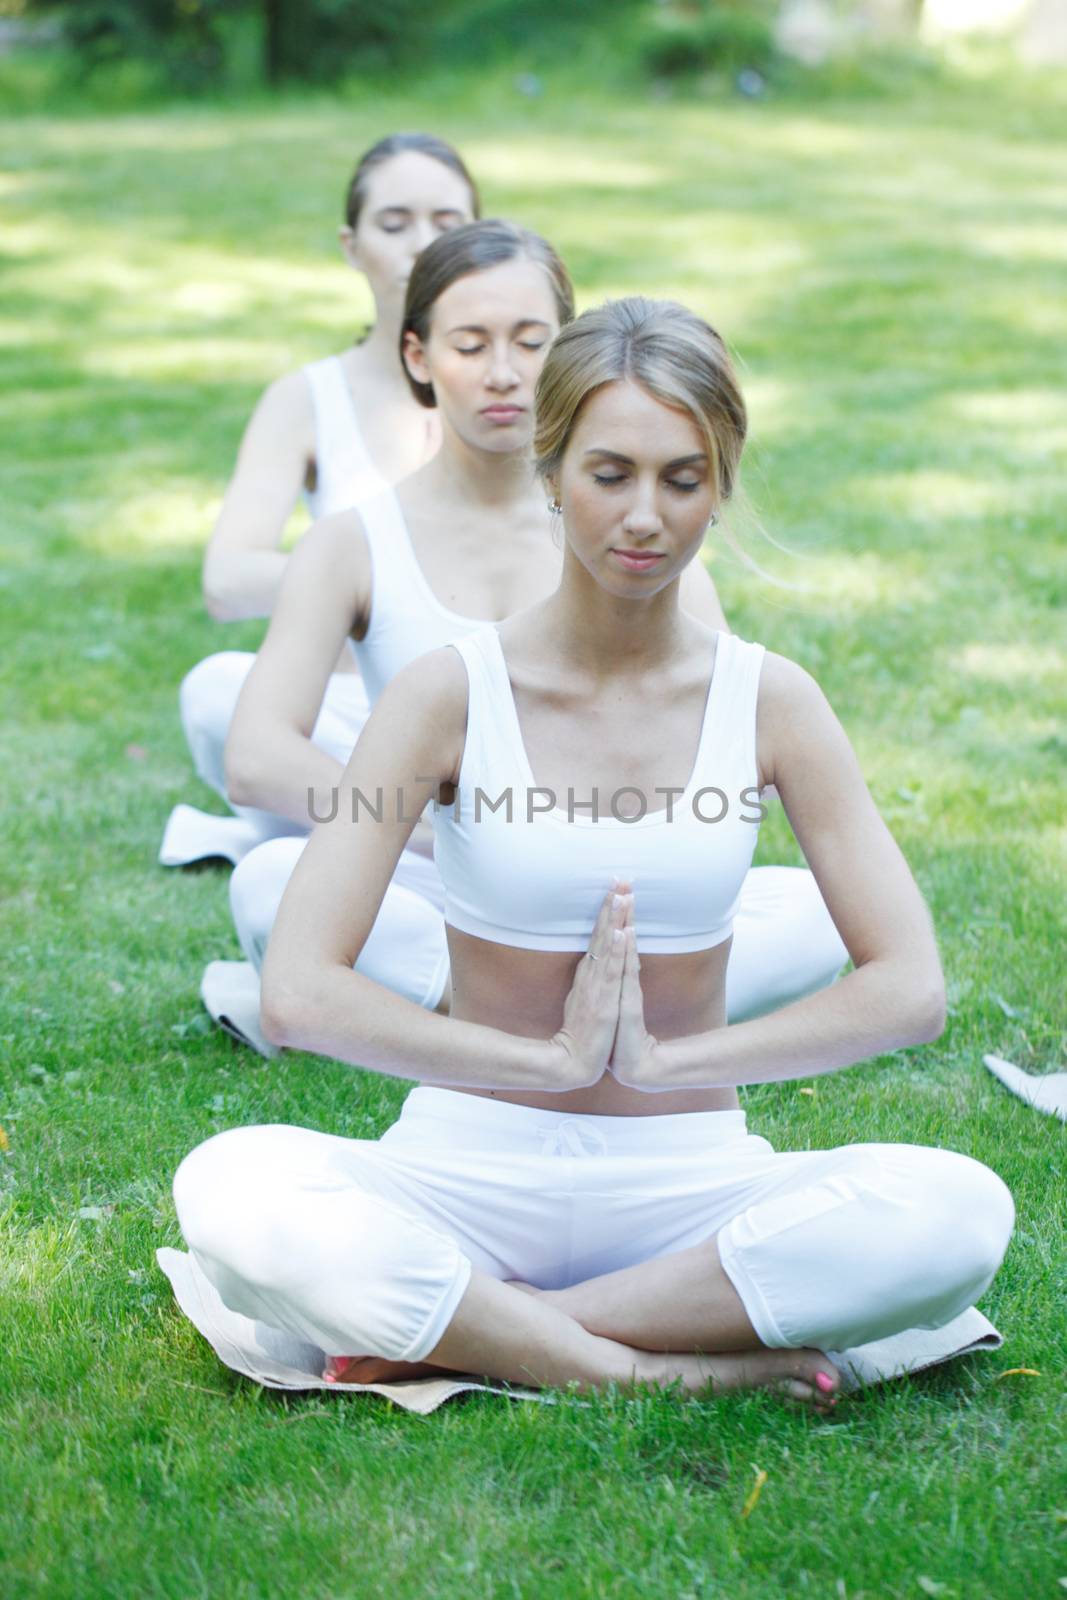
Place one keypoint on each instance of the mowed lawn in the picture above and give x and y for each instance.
(891, 275)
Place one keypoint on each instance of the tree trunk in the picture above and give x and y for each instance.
(273, 40)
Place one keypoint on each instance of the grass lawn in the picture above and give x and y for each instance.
(890, 272)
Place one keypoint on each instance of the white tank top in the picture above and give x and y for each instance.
(406, 617)
(344, 471)
(534, 875)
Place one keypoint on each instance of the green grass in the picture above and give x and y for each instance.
(890, 274)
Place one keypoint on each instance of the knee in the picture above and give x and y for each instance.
(963, 1214)
(982, 1218)
(209, 691)
(407, 949)
(256, 889)
(223, 1194)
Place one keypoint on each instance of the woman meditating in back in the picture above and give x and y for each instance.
(337, 430)
(571, 1194)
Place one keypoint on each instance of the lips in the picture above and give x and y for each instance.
(639, 560)
(503, 414)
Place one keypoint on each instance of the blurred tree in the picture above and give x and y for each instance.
(187, 38)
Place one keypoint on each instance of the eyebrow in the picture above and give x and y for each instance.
(527, 322)
(697, 460)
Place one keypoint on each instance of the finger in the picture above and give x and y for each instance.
(616, 959)
(632, 1001)
(601, 934)
(613, 912)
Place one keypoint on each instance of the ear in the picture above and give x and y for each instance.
(349, 248)
(551, 483)
(415, 358)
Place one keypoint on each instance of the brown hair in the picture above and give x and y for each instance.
(671, 352)
(474, 247)
(398, 144)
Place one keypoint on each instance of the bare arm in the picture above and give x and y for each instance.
(270, 759)
(243, 565)
(894, 997)
(313, 999)
(700, 598)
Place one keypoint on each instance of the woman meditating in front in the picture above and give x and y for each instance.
(571, 1195)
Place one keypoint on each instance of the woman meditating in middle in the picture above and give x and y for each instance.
(465, 541)
(571, 1194)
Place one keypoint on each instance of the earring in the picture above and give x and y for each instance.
(554, 506)
(714, 519)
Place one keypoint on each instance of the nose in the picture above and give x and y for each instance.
(642, 519)
(501, 375)
(423, 233)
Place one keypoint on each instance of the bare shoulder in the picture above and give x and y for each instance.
(287, 399)
(426, 703)
(786, 688)
(338, 538)
(433, 686)
(793, 714)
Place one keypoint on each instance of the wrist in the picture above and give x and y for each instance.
(562, 1068)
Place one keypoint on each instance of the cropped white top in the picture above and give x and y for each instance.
(523, 867)
(406, 617)
(344, 471)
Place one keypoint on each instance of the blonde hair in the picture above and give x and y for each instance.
(671, 352)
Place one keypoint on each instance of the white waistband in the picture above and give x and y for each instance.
(474, 1122)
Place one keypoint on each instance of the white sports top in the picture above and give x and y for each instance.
(536, 879)
(406, 617)
(344, 471)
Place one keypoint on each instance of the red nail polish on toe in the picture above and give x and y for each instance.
(824, 1381)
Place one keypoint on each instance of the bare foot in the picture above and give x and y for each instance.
(804, 1375)
(376, 1369)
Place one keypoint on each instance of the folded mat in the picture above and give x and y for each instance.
(193, 835)
(1047, 1093)
(230, 992)
(281, 1361)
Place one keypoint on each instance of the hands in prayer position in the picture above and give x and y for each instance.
(604, 1013)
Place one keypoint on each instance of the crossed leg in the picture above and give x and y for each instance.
(674, 1319)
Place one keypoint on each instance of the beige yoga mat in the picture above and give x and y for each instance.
(230, 992)
(280, 1361)
(193, 835)
(1046, 1092)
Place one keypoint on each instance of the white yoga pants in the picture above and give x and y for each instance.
(366, 1247)
(207, 700)
(785, 944)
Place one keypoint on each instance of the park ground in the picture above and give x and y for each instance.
(889, 269)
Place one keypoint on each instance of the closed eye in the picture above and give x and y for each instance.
(603, 477)
(686, 488)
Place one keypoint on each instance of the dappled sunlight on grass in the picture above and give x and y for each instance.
(1016, 242)
(171, 518)
(929, 495)
(849, 583)
(886, 273)
(1021, 664)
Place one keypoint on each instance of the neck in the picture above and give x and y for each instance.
(607, 636)
(464, 475)
(380, 349)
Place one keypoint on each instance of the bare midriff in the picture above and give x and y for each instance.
(523, 992)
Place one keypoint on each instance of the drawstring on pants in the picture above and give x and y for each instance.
(572, 1137)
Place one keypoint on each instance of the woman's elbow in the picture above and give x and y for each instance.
(241, 772)
(927, 1009)
(282, 1011)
